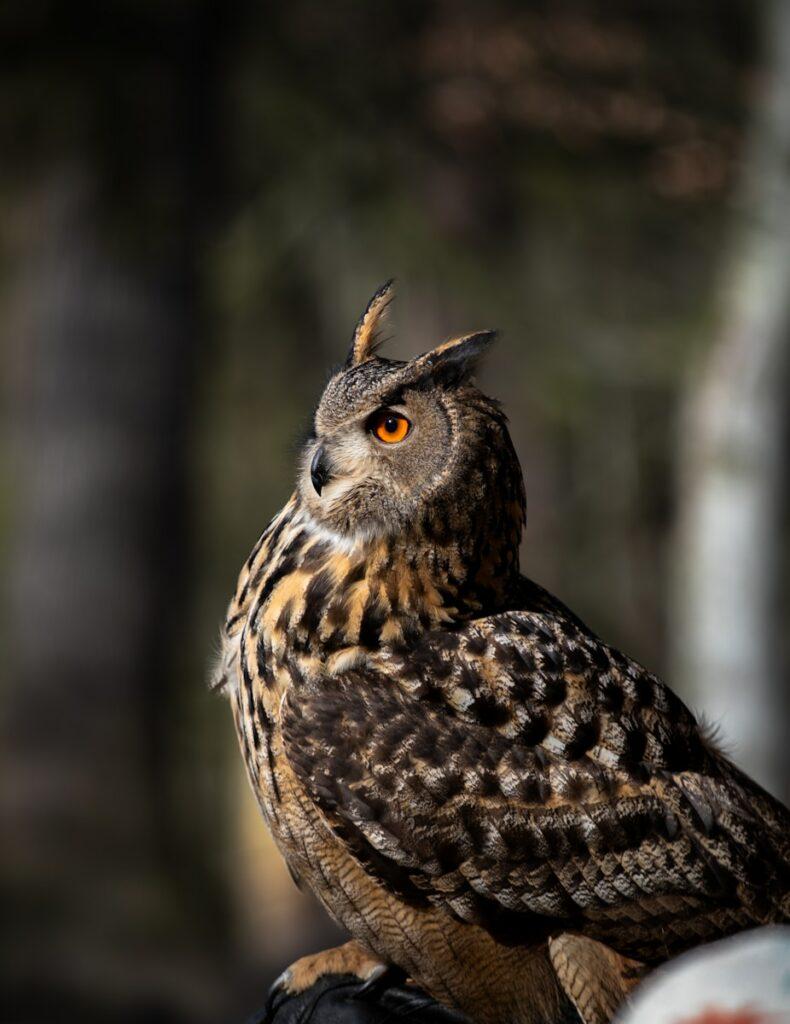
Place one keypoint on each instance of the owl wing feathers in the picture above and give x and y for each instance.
(522, 775)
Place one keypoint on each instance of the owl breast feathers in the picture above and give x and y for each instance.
(435, 739)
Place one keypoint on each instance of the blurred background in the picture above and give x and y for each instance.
(196, 201)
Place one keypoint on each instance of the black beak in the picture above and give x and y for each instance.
(319, 469)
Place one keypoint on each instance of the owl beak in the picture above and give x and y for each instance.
(319, 469)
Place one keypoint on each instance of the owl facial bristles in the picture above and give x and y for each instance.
(366, 339)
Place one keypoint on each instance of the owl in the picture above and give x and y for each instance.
(479, 790)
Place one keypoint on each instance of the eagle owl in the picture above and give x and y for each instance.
(479, 790)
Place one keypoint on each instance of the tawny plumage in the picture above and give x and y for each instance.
(476, 787)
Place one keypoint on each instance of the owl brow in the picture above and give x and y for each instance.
(394, 397)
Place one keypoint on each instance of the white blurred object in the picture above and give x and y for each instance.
(741, 980)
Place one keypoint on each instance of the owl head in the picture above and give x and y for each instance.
(400, 448)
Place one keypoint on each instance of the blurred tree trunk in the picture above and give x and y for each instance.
(101, 338)
(101, 359)
(731, 460)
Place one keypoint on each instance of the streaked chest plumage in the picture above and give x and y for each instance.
(308, 608)
(312, 613)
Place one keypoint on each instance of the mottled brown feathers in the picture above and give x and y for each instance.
(565, 821)
(443, 751)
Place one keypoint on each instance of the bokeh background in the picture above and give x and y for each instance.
(196, 200)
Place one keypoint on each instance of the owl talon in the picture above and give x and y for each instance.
(347, 968)
(381, 977)
(277, 995)
(281, 980)
(350, 958)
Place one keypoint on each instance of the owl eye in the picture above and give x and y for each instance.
(388, 426)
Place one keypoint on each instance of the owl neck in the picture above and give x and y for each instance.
(307, 591)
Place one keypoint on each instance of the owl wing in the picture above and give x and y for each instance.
(526, 777)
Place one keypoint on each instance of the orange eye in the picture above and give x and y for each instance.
(389, 427)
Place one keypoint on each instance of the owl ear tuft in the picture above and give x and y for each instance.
(453, 362)
(366, 339)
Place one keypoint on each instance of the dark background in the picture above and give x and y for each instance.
(196, 201)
